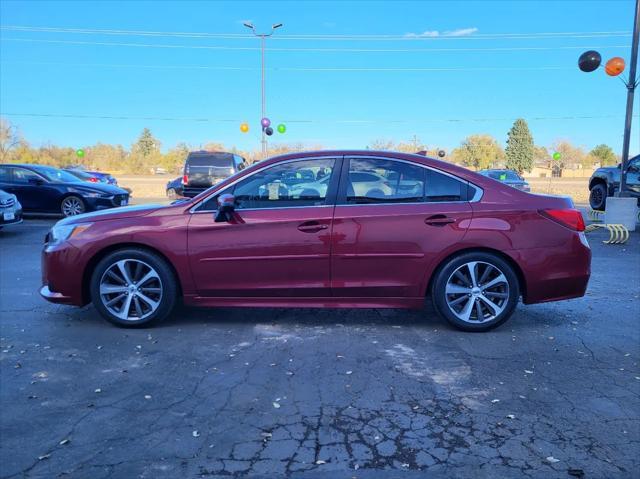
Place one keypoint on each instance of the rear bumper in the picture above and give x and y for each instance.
(554, 274)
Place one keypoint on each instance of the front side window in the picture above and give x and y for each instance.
(5, 174)
(373, 180)
(22, 175)
(296, 183)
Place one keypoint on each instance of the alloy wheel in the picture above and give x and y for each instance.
(72, 206)
(131, 290)
(477, 292)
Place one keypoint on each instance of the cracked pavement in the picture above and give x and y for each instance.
(555, 392)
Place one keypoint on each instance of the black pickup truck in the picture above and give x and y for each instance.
(605, 182)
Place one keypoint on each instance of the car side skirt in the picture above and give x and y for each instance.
(304, 302)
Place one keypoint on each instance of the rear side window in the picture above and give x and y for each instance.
(373, 180)
(441, 187)
(22, 175)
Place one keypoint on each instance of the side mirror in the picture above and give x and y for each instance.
(226, 207)
(35, 181)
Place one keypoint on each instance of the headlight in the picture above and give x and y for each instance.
(60, 233)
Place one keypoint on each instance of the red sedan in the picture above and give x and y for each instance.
(343, 229)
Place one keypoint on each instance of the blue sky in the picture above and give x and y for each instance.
(446, 70)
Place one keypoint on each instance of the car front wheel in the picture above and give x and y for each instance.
(72, 205)
(133, 287)
(476, 291)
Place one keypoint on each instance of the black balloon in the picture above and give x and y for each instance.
(589, 61)
(441, 153)
(268, 131)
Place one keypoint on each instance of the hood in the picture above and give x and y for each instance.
(104, 188)
(113, 213)
(607, 169)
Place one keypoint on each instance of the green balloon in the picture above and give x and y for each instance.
(281, 128)
(556, 156)
(80, 153)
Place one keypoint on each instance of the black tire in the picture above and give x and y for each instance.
(446, 271)
(171, 193)
(72, 205)
(167, 281)
(598, 197)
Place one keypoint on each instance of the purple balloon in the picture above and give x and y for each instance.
(265, 122)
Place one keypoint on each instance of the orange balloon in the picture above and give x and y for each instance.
(244, 127)
(614, 67)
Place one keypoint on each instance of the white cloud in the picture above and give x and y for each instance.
(460, 32)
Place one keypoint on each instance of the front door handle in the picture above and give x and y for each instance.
(439, 220)
(312, 227)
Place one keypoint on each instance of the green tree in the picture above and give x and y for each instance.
(519, 152)
(605, 155)
(10, 139)
(541, 156)
(478, 151)
(145, 153)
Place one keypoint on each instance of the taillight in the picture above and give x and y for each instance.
(567, 217)
(185, 179)
(93, 179)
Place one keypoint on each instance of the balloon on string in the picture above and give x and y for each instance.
(589, 61)
(442, 153)
(268, 131)
(265, 122)
(282, 128)
(80, 153)
(557, 156)
(614, 67)
(244, 127)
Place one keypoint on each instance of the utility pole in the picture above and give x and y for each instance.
(631, 86)
(263, 37)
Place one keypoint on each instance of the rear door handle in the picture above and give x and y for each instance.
(312, 227)
(439, 220)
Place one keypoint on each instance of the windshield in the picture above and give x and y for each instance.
(57, 176)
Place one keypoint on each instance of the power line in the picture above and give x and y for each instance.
(322, 121)
(291, 69)
(350, 50)
(431, 36)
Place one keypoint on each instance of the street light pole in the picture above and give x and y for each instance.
(631, 86)
(263, 37)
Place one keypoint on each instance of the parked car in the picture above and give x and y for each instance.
(508, 177)
(203, 169)
(175, 188)
(605, 182)
(44, 189)
(10, 209)
(104, 177)
(84, 176)
(475, 245)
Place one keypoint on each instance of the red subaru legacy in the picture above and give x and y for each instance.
(329, 229)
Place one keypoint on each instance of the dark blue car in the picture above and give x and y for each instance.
(45, 189)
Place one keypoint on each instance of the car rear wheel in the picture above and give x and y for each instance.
(72, 205)
(171, 193)
(133, 287)
(476, 291)
(598, 197)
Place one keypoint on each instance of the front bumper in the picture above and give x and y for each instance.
(62, 267)
(7, 212)
(103, 203)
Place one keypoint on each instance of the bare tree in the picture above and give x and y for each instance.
(9, 138)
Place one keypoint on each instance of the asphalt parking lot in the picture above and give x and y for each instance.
(555, 392)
